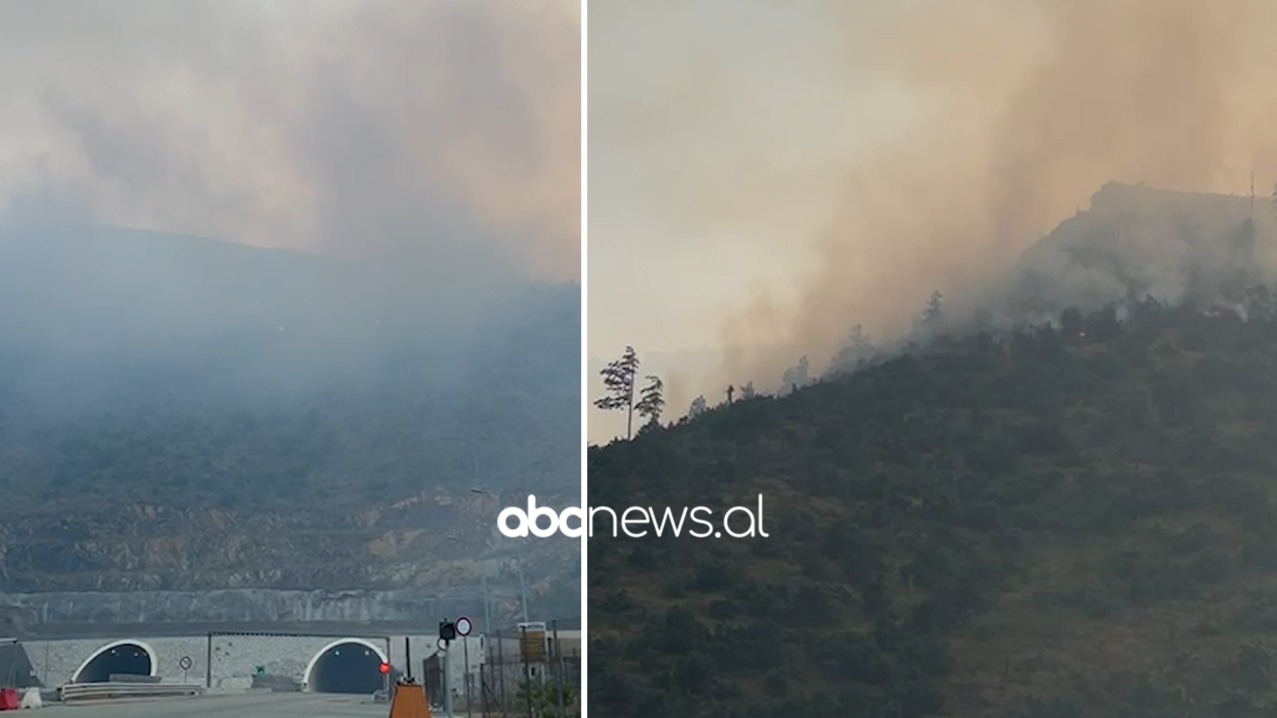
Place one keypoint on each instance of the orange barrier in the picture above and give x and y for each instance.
(409, 701)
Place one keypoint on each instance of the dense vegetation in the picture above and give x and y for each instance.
(507, 420)
(135, 364)
(185, 413)
(1068, 520)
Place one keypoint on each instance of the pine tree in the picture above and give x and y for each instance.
(934, 310)
(618, 381)
(857, 349)
(797, 376)
(699, 406)
(651, 400)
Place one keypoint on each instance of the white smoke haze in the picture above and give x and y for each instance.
(928, 144)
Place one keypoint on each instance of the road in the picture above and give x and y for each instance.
(266, 705)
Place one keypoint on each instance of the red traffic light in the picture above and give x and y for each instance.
(385, 667)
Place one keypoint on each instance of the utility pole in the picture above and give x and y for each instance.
(487, 614)
(465, 648)
(523, 584)
(556, 659)
(523, 589)
(447, 686)
(447, 632)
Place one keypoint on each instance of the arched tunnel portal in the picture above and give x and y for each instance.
(133, 658)
(350, 665)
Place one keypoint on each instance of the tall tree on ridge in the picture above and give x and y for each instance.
(618, 380)
(651, 400)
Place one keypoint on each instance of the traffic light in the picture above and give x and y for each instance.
(447, 631)
(385, 667)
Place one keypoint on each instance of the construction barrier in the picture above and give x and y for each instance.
(409, 701)
(9, 700)
(83, 692)
(32, 699)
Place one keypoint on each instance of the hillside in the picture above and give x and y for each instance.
(185, 414)
(1072, 518)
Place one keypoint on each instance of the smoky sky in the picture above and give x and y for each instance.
(806, 167)
(442, 128)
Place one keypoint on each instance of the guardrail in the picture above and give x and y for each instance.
(79, 692)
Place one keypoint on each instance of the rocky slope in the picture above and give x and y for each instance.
(184, 415)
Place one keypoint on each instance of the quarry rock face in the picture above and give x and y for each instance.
(192, 430)
(143, 567)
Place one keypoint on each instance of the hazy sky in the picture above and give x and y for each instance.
(440, 125)
(766, 175)
(685, 102)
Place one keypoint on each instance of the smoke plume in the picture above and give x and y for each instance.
(441, 128)
(891, 149)
(1025, 109)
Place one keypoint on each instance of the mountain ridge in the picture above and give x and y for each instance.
(1058, 513)
(325, 431)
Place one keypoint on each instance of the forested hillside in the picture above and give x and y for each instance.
(1070, 519)
(182, 413)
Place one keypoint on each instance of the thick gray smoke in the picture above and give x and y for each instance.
(444, 130)
(410, 166)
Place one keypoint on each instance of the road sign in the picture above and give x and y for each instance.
(532, 641)
(463, 626)
(184, 663)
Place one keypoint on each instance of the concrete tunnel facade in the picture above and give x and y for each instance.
(347, 665)
(128, 657)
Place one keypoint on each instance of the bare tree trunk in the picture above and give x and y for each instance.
(629, 408)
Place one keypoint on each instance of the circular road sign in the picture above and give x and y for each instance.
(184, 663)
(464, 626)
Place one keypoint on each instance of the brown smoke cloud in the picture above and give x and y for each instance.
(443, 127)
(1021, 111)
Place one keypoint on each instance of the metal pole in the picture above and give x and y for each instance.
(407, 653)
(447, 683)
(487, 613)
(527, 673)
(208, 663)
(523, 590)
(465, 649)
(386, 680)
(557, 660)
(501, 665)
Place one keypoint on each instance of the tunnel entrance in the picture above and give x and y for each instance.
(132, 658)
(351, 665)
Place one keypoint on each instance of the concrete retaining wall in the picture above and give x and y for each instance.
(236, 658)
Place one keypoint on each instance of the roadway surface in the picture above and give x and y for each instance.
(263, 705)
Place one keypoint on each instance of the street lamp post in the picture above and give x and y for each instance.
(523, 588)
(523, 581)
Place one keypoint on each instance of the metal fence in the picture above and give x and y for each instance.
(530, 671)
